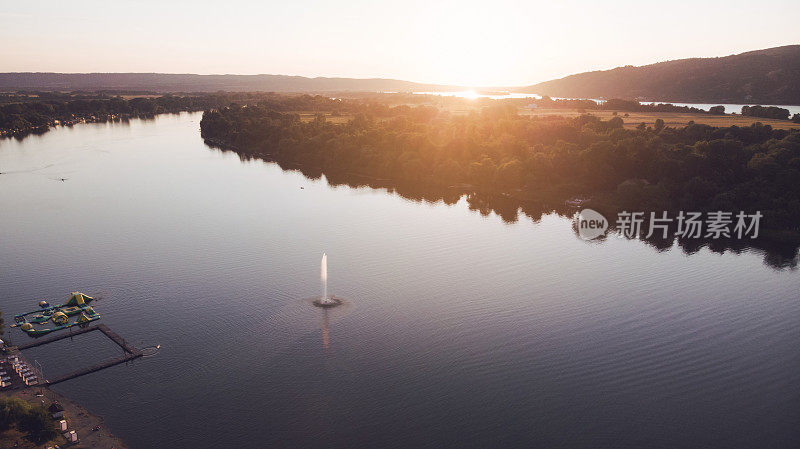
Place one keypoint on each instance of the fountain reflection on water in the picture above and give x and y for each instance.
(325, 331)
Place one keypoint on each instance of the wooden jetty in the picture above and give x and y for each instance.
(46, 340)
(129, 352)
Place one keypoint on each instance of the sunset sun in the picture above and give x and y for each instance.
(399, 224)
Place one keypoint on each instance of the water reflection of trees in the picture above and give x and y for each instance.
(23, 134)
(778, 255)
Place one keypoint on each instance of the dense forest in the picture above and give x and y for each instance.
(21, 114)
(33, 420)
(767, 112)
(770, 76)
(616, 104)
(549, 159)
(26, 116)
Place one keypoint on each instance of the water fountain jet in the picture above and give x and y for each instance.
(325, 300)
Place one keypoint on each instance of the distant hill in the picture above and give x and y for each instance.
(167, 82)
(770, 76)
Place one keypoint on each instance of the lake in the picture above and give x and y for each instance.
(460, 328)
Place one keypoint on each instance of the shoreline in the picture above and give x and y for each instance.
(78, 419)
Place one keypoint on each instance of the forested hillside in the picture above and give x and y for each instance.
(770, 76)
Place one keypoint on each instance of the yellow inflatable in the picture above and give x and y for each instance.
(59, 318)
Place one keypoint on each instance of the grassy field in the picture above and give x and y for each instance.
(308, 116)
(632, 120)
(128, 97)
(671, 119)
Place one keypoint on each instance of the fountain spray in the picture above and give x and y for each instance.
(324, 277)
(325, 300)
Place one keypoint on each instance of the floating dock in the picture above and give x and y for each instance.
(129, 352)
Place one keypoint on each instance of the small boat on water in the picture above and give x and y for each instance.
(34, 323)
(578, 201)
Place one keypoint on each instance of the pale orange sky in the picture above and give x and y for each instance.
(497, 43)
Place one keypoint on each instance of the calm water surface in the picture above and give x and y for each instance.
(461, 329)
(729, 107)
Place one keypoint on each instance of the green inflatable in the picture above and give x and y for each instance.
(33, 323)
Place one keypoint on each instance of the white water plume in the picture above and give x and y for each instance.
(324, 277)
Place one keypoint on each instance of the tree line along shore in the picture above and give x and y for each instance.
(551, 158)
(35, 112)
(492, 145)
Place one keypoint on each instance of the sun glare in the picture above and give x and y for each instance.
(469, 94)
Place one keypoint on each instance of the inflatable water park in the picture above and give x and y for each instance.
(75, 312)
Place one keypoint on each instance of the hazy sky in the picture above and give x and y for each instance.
(499, 42)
